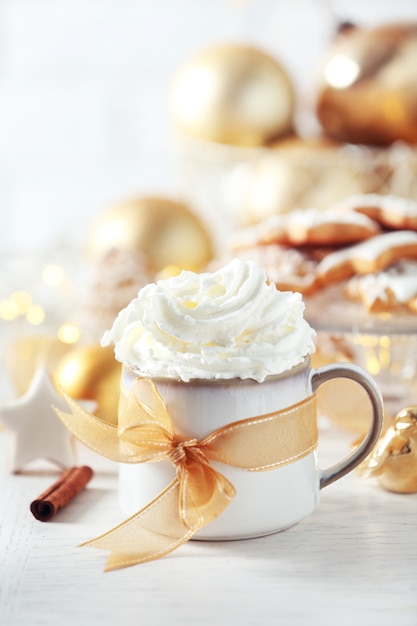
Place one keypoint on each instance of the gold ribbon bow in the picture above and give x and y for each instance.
(198, 494)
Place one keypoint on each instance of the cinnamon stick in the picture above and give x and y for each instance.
(70, 483)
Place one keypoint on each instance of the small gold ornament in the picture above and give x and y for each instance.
(394, 460)
(165, 231)
(232, 94)
(90, 372)
(369, 85)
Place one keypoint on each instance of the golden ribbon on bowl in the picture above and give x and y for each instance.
(198, 494)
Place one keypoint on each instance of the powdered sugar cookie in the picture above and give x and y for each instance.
(310, 227)
(388, 290)
(373, 255)
(321, 228)
(389, 211)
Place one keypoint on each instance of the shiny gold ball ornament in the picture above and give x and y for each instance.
(90, 372)
(167, 232)
(368, 90)
(232, 94)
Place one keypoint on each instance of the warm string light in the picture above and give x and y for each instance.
(378, 352)
(20, 304)
(68, 333)
(53, 275)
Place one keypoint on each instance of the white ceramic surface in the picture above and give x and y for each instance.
(265, 502)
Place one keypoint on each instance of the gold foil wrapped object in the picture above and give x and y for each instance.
(369, 85)
(394, 460)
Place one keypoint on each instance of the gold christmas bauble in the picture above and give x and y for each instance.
(167, 232)
(368, 89)
(232, 94)
(90, 372)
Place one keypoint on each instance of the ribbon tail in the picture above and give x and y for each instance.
(204, 493)
(153, 532)
(96, 434)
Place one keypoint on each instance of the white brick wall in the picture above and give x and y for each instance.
(83, 86)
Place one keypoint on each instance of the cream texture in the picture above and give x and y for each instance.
(221, 325)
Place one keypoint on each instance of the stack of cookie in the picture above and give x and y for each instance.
(366, 244)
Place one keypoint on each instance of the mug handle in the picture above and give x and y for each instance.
(348, 370)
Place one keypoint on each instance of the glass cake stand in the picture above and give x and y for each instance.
(384, 344)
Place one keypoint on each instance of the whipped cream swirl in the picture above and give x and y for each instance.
(221, 325)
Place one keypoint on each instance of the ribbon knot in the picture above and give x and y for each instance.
(198, 493)
(180, 446)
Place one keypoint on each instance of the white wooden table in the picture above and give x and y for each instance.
(353, 562)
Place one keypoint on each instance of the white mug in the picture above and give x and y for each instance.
(266, 501)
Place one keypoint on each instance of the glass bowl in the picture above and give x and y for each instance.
(384, 344)
(233, 187)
